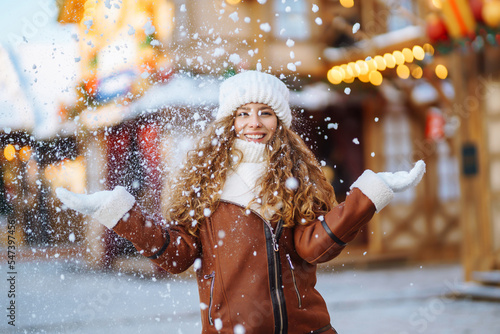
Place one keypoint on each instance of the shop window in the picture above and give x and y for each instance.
(448, 173)
(398, 150)
(398, 13)
(292, 19)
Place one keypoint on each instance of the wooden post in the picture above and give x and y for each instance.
(95, 157)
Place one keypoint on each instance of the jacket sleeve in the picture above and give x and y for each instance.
(325, 238)
(170, 247)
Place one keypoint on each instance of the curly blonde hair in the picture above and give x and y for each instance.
(197, 188)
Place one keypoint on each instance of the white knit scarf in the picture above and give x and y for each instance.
(241, 183)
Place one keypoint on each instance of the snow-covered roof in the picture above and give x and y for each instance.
(315, 96)
(376, 43)
(39, 70)
(16, 113)
(180, 91)
(183, 91)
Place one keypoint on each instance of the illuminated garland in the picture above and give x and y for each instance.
(369, 70)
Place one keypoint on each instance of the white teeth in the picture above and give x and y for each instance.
(255, 136)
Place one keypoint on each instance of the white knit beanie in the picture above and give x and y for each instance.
(254, 87)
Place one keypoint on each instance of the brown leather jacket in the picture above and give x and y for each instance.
(250, 273)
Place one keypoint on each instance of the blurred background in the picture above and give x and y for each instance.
(99, 93)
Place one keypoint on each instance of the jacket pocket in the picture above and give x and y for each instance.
(212, 283)
(294, 281)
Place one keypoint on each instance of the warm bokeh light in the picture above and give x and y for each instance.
(363, 67)
(348, 72)
(408, 54)
(334, 76)
(9, 152)
(25, 153)
(491, 13)
(428, 48)
(349, 80)
(347, 3)
(437, 4)
(390, 61)
(69, 174)
(380, 61)
(376, 78)
(89, 4)
(403, 71)
(364, 78)
(417, 72)
(354, 68)
(418, 52)
(441, 71)
(342, 71)
(399, 57)
(372, 65)
(233, 2)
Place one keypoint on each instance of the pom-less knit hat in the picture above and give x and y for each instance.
(254, 87)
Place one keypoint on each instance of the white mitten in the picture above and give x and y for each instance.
(380, 187)
(107, 207)
(400, 181)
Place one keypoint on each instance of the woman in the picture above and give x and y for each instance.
(252, 211)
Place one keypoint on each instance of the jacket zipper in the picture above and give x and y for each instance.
(212, 282)
(276, 246)
(279, 300)
(277, 283)
(275, 260)
(293, 279)
(276, 280)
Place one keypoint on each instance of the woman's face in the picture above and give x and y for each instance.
(255, 122)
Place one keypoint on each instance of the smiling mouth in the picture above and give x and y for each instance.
(255, 136)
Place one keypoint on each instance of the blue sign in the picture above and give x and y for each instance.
(115, 85)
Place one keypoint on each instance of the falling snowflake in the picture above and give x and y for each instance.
(218, 52)
(234, 16)
(218, 324)
(355, 28)
(239, 329)
(291, 67)
(207, 212)
(292, 183)
(197, 264)
(131, 31)
(235, 58)
(266, 27)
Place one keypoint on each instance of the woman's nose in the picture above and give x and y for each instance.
(255, 120)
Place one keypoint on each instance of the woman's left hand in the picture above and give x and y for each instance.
(400, 181)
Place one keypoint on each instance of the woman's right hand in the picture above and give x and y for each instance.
(107, 207)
